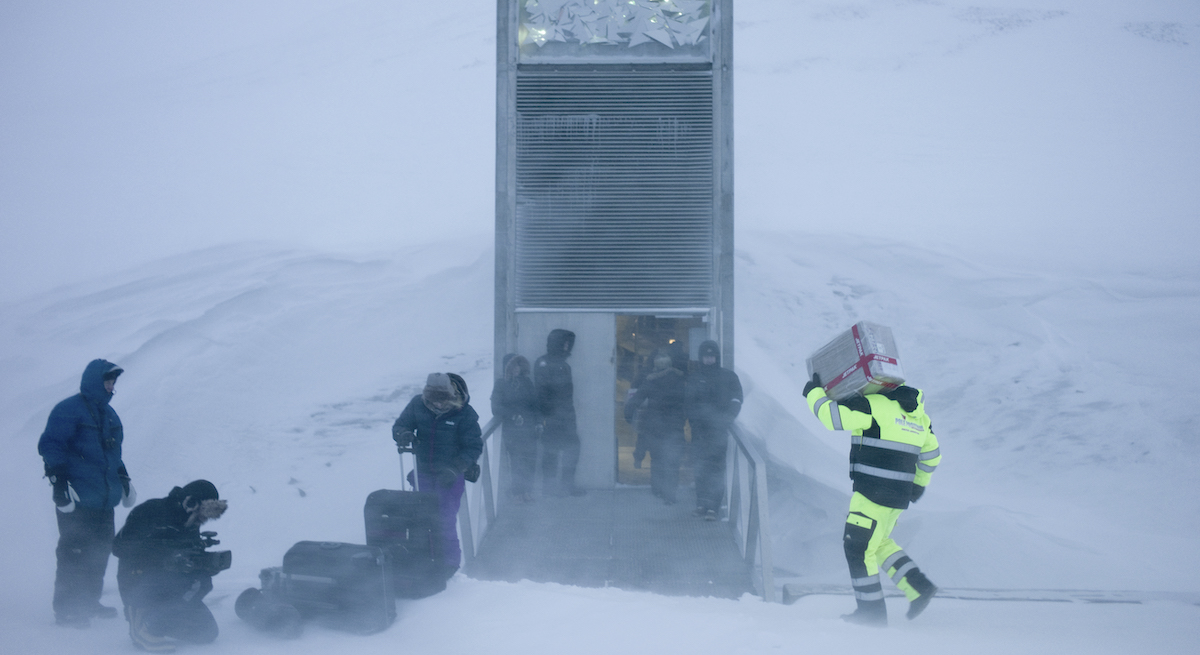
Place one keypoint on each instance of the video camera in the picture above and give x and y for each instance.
(198, 560)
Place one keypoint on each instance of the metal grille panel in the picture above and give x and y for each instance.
(614, 181)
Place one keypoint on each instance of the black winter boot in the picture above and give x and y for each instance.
(870, 613)
(922, 586)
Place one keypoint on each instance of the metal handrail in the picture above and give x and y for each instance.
(748, 508)
(483, 492)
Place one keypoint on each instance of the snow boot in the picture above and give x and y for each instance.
(99, 611)
(922, 586)
(74, 620)
(871, 613)
(140, 633)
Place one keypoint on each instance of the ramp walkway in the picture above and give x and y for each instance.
(623, 537)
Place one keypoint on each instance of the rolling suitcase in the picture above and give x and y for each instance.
(406, 524)
(343, 585)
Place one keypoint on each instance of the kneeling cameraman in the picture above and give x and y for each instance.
(164, 570)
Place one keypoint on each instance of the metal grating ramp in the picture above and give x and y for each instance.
(623, 538)
(614, 188)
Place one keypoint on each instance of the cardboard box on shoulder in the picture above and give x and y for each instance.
(861, 360)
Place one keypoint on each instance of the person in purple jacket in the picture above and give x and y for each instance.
(443, 431)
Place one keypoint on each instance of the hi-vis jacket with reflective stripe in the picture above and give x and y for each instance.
(893, 446)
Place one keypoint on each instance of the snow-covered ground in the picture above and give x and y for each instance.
(892, 156)
(276, 373)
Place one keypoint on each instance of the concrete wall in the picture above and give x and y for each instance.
(593, 369)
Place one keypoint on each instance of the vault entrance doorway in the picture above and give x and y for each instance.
(638, 336)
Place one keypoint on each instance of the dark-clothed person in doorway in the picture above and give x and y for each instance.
(556, 395)
(515, 403)
(714, 398)
(659, 402)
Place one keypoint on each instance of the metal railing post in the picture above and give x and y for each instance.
(754, 539)
(487, 487)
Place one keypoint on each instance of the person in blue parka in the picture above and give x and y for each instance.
(81, 450)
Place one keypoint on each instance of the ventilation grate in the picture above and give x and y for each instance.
(614, 198)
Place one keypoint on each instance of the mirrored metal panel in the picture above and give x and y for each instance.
(614, 30)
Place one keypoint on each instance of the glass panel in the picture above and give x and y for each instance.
(614, 30)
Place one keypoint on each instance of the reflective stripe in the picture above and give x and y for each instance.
(891, 561)
(926, 467)
(903, 571)
(872, 595)
(883, 473)
(936, 452)
(872, 442)
(835, 416)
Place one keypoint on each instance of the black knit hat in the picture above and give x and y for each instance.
(200, 490)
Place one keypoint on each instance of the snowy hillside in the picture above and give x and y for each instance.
(275, 374)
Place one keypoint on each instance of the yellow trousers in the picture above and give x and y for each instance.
(869, 547)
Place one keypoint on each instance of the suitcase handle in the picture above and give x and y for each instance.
(403, 475)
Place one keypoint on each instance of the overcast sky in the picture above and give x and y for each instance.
(134, 130)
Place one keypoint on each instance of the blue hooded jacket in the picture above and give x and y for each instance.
(83, 440)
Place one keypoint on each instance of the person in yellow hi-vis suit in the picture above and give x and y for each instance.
(893, 454)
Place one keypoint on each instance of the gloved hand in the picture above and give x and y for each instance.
(472, 473)
(518, 420)
(917, 492)
(128, 493)
(58, 480)
(538, 428)
(64, 496)
(403, 438)
(447, 477)
(812, 384)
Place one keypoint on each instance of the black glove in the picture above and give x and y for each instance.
(403, 438)
(58, 479)
(472, 473)
(812, 384)
(209, 537)
(917, 492)
(447, 477)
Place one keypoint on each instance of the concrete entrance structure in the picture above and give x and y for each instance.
(614, 186)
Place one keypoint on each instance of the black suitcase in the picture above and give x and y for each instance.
(346, 586)
(406, 524)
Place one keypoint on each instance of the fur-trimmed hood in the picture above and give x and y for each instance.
(515, 366)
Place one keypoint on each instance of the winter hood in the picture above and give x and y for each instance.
(560, 342)
(92, 383)
(515, 366)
